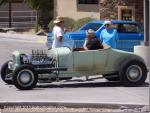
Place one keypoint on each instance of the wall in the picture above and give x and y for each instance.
(70, 8)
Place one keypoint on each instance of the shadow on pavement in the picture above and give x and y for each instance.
(85, 85)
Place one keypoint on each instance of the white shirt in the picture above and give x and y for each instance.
(57, 33)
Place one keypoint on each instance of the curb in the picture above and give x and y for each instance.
(71, 105)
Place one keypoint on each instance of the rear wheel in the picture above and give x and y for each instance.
(133, 73)
(25, 77)
(6, 73)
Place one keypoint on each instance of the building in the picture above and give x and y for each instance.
(122, 9)
(17, 14)
(100, 9)
(23, 16)
(77, 9)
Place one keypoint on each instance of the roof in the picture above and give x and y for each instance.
(113, 21)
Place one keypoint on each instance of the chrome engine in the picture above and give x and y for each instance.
(38, 58)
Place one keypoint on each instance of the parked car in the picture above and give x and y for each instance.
(24, 71)
(130, 33)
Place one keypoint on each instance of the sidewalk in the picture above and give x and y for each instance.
(25, 37)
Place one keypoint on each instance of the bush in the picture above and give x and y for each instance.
(51, 25)
(69, 24)
(82, 21)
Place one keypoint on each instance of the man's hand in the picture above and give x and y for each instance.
(60, 38)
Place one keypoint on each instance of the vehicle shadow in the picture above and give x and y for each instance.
(78, 83)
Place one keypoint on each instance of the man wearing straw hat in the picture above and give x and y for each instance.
(58, 32)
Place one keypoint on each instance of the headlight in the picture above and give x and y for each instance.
(13, 59)
(24, 58)
(10, 65)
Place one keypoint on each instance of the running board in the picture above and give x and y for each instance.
(49, 70)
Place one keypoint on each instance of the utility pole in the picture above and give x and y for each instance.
(10, 16)
(144, 50)
(146, 22)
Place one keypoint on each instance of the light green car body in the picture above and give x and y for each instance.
(83, 63)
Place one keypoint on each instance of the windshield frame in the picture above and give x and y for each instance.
(68, 42)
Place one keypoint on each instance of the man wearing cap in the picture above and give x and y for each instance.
(92, 42)
(58, 32)
(109, 35)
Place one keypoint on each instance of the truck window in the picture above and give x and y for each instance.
(94, 26)
(127, 28)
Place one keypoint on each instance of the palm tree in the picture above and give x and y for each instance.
(44, 9)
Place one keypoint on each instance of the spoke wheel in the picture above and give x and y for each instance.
(133, 73)
(25, 77)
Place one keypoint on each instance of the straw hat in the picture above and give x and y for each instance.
(107, 22)
(58, 19)
(90, 32)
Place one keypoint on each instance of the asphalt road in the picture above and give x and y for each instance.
(74, 91)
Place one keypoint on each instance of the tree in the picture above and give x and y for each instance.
(44, 9)
(4, 1)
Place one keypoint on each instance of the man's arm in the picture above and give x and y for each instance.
(84, 45)
(116, 36)
(60, 35)
(60, 38)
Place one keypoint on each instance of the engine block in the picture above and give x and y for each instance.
(40, 58)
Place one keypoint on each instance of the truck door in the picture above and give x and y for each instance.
(129, 36)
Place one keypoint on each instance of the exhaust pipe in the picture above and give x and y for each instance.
(49, 70)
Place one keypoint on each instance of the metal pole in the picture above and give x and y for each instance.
(149, 22)
(10, 10)
(146, 22)
(149, 26)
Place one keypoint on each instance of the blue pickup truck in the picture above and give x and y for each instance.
(130, 33)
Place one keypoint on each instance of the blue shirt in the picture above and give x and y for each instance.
(109, 37)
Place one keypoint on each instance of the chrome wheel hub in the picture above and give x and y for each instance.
(25, 77)
(134, 73)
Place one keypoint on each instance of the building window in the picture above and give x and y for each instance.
(87, 1)
(126, 13)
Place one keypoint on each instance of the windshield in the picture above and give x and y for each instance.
(68, 43)
(94, 26)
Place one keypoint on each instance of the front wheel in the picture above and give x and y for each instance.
(25, 77)
(133, 73)
(6, 73)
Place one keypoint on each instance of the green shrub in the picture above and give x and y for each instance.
(82, 21)
(51, 25)
(69, 24)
